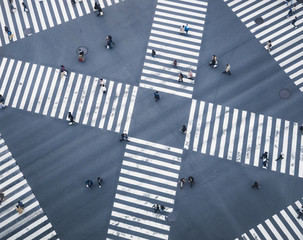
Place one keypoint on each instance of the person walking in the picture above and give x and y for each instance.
(191, 180)
(182, 30)
(227, 69)
(293, 22)
(2, 101)
(256, 185)
(180, 77)
(71, 118)
(183, 129)
(289, 14)
(156, 207)
(281, 156)
(100, 12)
(265, 163)
(153, 53)
(63, 71)
(175, 63)
(2, 197)
(182, 181)
(9, 33)
(20, 207)
(301, 129)
(99, 180)
(104, 88)
(124, 136)
(89, 184)
(156, 96)
(268, 45)
(109, 42)
(162, 208)
(13, 9)
(190, 75)
(300, 212)
(25, 9)
(102, 82)
(186, 29)
(214, 61)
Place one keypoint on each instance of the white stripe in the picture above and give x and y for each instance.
(7, 164)
(291, 224)
(97, 108)
(175, 36)
(157, 145)
(196, 2)
(242, 5)
(258, 140)
(51, 91)
(5, 156)
(173, 49)
(3, 24)
(123, 235)
(41, 18)
(290, 60)
(114, 107)
(23, 184)
(241, 136)
(258, 12)
(63, 11)
(232, 134)
(150, 169)
(296, 74)
(285, 146)
(140, 220)
(7, 76)
(43, 89)
(18, 22)
(75, 94)
(11, 179)
(66, 95)
(300, 174)
(82, 98)
(224, 132)
(254, 234)
(80, 13)
(122, 108)
(33, 16)
(283, 228)
(49, 236)
(108, 2)
(145, 194)
(9, 19)
(293, 66)
(215, 130)
(56, 13)
(154, 153)
(3, 64)
(174, 29)
(244, 236)
(86, 7)
(286, 44)
(232, 2)
(175, 43)
(90, 101)
(273, 229)
(198, 126)
(293, 150)
(35, 89)
(190, 123)
(175, 4)
(250, 138)
(106, 104)
(180, 11)
(164, 61)
(295, 215)
(71, 9)
(268, 134)
(247, 9)
(152, 161)
(148, 177)
(178, 17)
(58, 95)
(47, 11)
(13, 83)
(276, 145)
(28, 85)
(172, 56)
(285, 54)
(130, 109)
(138, 229)
(207, 127)
(264, 232)
(38, 232)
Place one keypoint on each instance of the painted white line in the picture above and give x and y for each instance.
(268, 134)
(48, 15)
(224, 132)
(285, 146)
(63, 11)
(232, 134)
(28, 85)
(41, 18)
(86, 7)
(51, 92)
(254, 234)
(241, 136)
(114, 107)
(35, 89)
(39, 232)
(242, 6)
(300, 174)
(283, 228)
(215, 131)
(293, 150)
(7, 76)
(90, 101)
(176, 33)
(295, 215)
(256, 12)
(3, 64)
(196, 2)
(291, 224)
(106, 104)
(176, 4)
(207, 127)
(198, 126)
(97, 108)
(49, 236)
(43, 90)
(172, 56)
(13, 83)
(180, 43)
(170, 62)
(130, 109)
(75, 95)
(173, 49)
(264, 232)
(190, 123)
(258, 140)
(250, 138)
(273, 229)
(66, 95)
(82, 98)
(33, 16)
(56, 13)
(276, 145)
(180, 11)
(71, 9)
(58, 95)
(123, 235)
(122, 108)
(178, 17)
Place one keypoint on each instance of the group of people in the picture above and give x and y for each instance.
(265, 159)
(89, 183)
(214, 63)
(158, 207)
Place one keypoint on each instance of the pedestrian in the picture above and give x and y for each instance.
(265, 163)
(227, 69)
(124, 136)
(96, 6)
(293, 22)
(214, 61)
(191, 180)
(256, 185)
(156, 96)
(182, 30)
(300, 212)
(301, 129)
(99, 180)
(20, 207)
(73, 2)
(89, 184)
(289, 14)
(25, 9)
(156, 207)
(183, 129)
(102, 82)
(268, 45)
(162, 208)
(153, 53)
(287, 1)
(175, 63)
(180, 77)
(2, 101)
(6, 29)
(9, 33)
(186, 29)
(63, 71)
(109, 42)
(2, 197)
(13, 9)
(182, 181)
(81, 58)
(104, 88)
(293, 8)
(281, 156)
(265, 155)
(100, 11)
(71, 118)
(190, 75)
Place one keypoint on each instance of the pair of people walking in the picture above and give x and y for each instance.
(191, 180)
(89, 183)
(158, 207)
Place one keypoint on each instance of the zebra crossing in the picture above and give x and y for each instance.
(244, 136)
(158, 72)
(149, 175)
(44, 90)
(32, 223)
(286, 40)
(283, 225)
(42, 15)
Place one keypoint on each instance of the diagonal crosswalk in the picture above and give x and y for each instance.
(286, 40)
(158, 72)
(244, 136)
(149, 175)
(43, 90)
(32, 223)
(41, 15)
(283, 225)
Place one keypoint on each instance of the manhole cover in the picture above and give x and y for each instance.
(171, 217)
(28, 32)
(284, 93)
(259, 20)
(84, 49)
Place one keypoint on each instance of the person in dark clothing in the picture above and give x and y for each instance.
(24, 7)
(183, 129)
(100, 11)
(182, 181)
(109, 42)
(124, 136)
(156, 207)
(156, 96)
(71, 118)
(256, 185)
(153, 53)
(293, 22)
(99, 180)
(191, 180)
(301, 129)
(2, 101)
(180, 77)
(162, 208)
(214, 61)
(89, 184)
